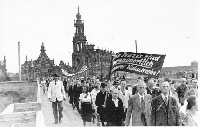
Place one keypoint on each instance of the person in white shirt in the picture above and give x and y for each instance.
(94, 93)
(124, 95)
(85, 104)
(56, 94)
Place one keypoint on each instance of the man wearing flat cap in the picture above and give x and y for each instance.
(56, 94)
(139, 106)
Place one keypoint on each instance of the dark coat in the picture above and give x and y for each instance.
(114, 114)
(65, 85)
(162, 115)
(134, 90)
(77, 90)
(156, 92)
(71, 94)
(100, 99)
(149, 91)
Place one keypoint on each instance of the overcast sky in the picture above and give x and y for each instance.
(159, 26)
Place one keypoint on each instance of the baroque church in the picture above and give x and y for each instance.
(96, 60)
(42, 67)
(84, 54)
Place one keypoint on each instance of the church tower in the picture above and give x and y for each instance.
(79, 41)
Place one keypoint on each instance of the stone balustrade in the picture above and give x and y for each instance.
(22, 114)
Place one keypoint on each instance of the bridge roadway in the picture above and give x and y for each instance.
(70, 117)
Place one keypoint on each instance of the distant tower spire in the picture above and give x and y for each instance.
(78, 9)
(78, 16)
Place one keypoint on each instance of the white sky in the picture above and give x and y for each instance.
(159, 26)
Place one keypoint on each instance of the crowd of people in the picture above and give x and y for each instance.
(150, 102)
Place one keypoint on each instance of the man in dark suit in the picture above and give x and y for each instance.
(77, 91)
(65, 84)
(164, 108)
(71, 93)
(100, 100)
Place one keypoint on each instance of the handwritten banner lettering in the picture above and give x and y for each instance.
(138, 63)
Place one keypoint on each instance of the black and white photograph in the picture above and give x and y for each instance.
(66, 63)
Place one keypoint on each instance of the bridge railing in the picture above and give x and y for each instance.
(23, 114)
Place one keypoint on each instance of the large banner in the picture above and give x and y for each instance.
(83, 69)
(66, 73)
(138, 63)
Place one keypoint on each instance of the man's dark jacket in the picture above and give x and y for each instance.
(100, 99)
(163, 115)
(114, 114)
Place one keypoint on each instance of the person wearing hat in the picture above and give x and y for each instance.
(181, 90)
(139, 105)
(100, 103)
(56, 95)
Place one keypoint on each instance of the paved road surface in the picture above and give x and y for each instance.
(70, 117)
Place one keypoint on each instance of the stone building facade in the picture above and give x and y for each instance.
(42, 67)
(97, 60)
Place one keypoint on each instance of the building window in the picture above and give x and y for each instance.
(80, 46)
(49, 70)
(77, 46)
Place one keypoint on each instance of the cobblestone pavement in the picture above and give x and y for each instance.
(70, 117)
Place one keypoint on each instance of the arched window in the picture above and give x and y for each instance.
(77, 46)
(81, 46)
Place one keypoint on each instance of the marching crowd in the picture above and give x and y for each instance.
(149, 102)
